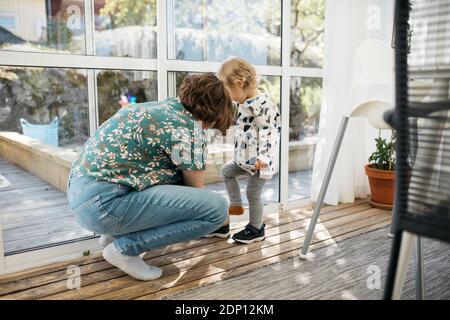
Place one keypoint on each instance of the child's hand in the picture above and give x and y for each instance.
(260, 165)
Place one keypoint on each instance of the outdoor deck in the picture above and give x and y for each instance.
(32, 211)
(199, 262)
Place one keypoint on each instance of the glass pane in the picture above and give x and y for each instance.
(125, 28)
(41, 25)
(34, 212)
(214, 30)
(116, 88)
(305, 96)
(220, 148)
(307, 31)
(39, 95)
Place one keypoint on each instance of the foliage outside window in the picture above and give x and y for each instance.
(307, 32)
(213, 30)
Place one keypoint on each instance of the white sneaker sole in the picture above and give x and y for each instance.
(251, 241)
(217, 235)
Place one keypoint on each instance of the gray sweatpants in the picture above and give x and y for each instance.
(255, 185)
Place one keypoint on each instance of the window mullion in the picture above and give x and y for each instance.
(161, 17)
(285, 99)
(90, 73)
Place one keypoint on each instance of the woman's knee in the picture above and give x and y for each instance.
(219, 211)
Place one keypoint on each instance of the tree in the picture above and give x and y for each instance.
(130, 12)
(218, 28)
(307, 29)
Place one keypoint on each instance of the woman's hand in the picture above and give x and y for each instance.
(259, 165)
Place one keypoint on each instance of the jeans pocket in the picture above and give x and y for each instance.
(92, 216)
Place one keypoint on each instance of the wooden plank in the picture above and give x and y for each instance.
(251, 252)
(23, 185)
(6, 166)
(33, 188)
(12, 169)
(55, 272)
(18, 198)
(258, 264)
(177, 275)
(51, 238)
(37, 205)
(168, 249)
(18, 176)
(174, 249)
(31, 206)
(65, 224)
(9, 169)
(23, 177)
(33, 217)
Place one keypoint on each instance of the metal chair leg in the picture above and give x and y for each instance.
(403, 261)
(392, 267)
(324, 187)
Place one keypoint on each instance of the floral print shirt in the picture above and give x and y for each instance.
(143, 145)
(257, 135)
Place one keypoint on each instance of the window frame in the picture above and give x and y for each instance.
(166, 84)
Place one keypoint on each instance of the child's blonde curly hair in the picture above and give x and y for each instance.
(234, 69)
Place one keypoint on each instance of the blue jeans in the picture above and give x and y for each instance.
(147, 219)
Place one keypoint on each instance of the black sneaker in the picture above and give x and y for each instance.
(250, 234)
(222, 232)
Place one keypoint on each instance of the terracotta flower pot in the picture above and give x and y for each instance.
(381, 186)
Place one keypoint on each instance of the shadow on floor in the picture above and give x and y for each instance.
(348, 270)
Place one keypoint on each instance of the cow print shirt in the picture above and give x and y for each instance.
(257, 135)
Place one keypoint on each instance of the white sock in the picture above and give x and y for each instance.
(132, 265)
(105, 239)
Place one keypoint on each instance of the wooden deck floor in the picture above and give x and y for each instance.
(195, 263)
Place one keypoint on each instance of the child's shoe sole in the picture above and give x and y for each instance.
(250, 241)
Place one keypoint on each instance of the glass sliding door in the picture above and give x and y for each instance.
(34, 213)
(69, 65)
(305, 92)
(305, 101)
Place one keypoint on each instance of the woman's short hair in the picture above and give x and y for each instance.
(207, 99)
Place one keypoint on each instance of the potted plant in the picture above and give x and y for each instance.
(380, 171)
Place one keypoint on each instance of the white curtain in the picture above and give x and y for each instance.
(348, 25)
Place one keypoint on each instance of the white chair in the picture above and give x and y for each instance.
(371, 95)
(373, 111)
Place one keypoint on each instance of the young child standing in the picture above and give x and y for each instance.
(256, 146)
